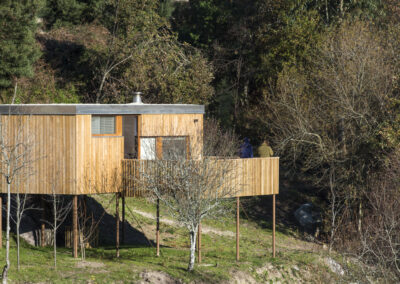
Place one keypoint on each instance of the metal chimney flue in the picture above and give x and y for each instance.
(137, 99)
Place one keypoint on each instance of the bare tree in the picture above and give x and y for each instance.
(380, 240)
(16, 152)
(61, 208)
(324, 119)
(87, 226)
(191, 189)
(23, 203)
(119, 50)
(87, 223)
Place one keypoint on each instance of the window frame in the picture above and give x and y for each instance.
(118, 126)
(187, 145)
(159, 145)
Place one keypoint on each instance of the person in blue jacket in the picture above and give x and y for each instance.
(246, 150)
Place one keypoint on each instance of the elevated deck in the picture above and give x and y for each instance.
(246, 177)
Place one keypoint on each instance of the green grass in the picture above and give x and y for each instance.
(218, 254)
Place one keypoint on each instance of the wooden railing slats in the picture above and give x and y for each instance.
(253, 176)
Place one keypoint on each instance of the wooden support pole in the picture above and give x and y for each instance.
(1, 222)
(199, 243)
(237, 228)
(273, 225)
(75, 225)
(158, 228)
(123, 220)
(42, 225)
(117, 223)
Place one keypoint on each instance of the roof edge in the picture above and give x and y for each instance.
(74, 109)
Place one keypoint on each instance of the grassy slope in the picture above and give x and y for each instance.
(296, 260)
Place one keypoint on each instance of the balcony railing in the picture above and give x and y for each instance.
(247, 177)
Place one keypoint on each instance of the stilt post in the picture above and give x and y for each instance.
(1, 222)
(75, 225)
(273, 225)
(42, 225)
(117, 224)
(123, 219)
(199, 243)
(158, 228)
(237, 227)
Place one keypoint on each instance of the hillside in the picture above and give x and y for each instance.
(297, 261)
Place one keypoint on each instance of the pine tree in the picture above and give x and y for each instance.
(18, 48)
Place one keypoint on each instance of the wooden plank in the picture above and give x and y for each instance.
(247, 177)
(51, 152)
(191, 125)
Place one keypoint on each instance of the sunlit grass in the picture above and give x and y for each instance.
(218, 253)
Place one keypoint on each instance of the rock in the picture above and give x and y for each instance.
(308, 216)
(334, 266)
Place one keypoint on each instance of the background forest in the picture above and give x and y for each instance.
(319, 80)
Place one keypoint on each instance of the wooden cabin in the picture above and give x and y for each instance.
(89, 148)
(79, 148)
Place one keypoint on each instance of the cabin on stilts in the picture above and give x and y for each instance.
(92, 148)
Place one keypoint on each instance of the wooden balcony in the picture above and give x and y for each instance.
(247, 177)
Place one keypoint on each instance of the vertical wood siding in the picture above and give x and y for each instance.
(99, 159)
(175, 125)
(245, 177)
(68, 157)
(53, 152)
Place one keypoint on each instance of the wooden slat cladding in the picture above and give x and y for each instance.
(65, 155)
(245, 177)
(53, 147)
(98, 160)
(191, 125)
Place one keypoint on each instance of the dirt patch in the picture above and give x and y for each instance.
(91, 267)
(241, 277)
(204, 229)
(157, 277)
(209, 230)
(89, 264)
(283, 274)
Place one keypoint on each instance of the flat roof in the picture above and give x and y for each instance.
(73, 109)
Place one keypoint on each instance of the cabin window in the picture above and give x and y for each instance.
(129, 131)
(174, 148)
(103, 124)
(147, 148)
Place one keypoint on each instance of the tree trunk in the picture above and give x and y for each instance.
(333, 208)
(7, 266)
(43, 226)
(360, 216)
(273, 224)
(117, 224)
(75, 225)
(18, 224)
(341, 8)
(55, 230)
(199, 243)
(123, 220)
(327, 11)
(193, 237)
(237, 227)
(1, 222)
(158, 228)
